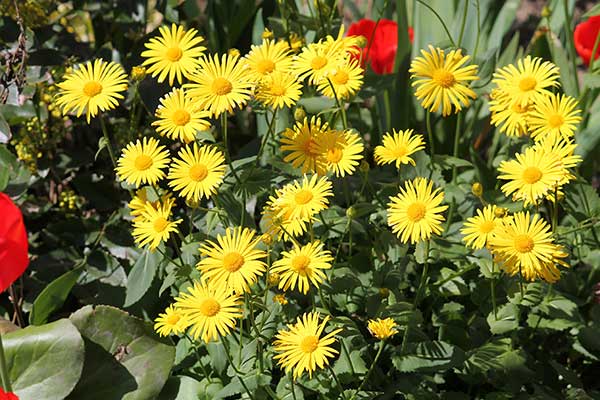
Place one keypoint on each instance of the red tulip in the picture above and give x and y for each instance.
(13, 243)
(381, 47)
(585, 36)
(7, 395)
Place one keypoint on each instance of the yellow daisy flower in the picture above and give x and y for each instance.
(305, 198)
(152, 226)
(524, 245)
(415, 213)
(442, 80)
(556, 115)
(92, 87)
(171, 322)
(293, 43)
(382, 328)
(278, 222)
(302, 266)
(398, 147)
(174, 53)
(233, 262)
(301, 143)
(138, 203)
(528, 82)
(142, 162)
(531, 176)
(478, 230)
(563, 150)
(341, 151)
(511, 117)
(220, 85)
(197, 172)
(179, 118)
(211, 312)
(279, 90)
(270, 56)
(316, 60)
(301, 347)
(346, 79)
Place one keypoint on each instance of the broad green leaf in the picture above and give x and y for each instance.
(45, 362)
(505, 320)
(591, 81)
(434, 356)
(124, 358)
(141, 275)
(186, 388)
(53, 296)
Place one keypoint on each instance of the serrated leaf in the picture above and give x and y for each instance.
(434, 356)
(505, 320)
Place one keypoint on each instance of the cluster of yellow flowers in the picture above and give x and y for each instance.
(213, 86)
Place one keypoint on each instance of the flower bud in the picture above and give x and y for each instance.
(267, 239)
(500, 212)
(546, 12)
(351, 212)
(267, 34)
(364, 167)
(138, 73)
(384, 292)
(477, 189)
(299, 114)
(273, 280)
(280, 298)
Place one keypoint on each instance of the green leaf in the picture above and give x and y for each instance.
(505, 320)
(591, 81)
(102, 143)
(595, 10)
(448, 162)
(486, 357)
(141, 275)
(124, 358)
(53, 297)
(45, 362)
(431, 356)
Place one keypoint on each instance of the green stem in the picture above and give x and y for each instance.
(4, 369)
(337, 381)
(456, 143)
(441, 21)
(594, 50)
(264, 140)
(430, 135)
(478, 30)
(226, 144)
(493, 289)
(339, 105)
(462, 25)
(113, 159)
(555, 211)
(571, 46)
(366, 378)
(237, 372)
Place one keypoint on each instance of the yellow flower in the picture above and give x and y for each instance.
(142, 162)
(556, 115)
(524, 245)
(302, 266)
(138, 73)
(511, 117)
(211, 312)
(233, 262)
(152, 226)
(220, 85)
(317, 59)
(531, 176)
(279, 90)
(277, 220)
(346, 79)
(398, 147)
(341, 151)
(528, 82)
(92, 87)
(415, 213)
(382, 328)
(478, 230)
(270, 56)
(198, 172)
(280, 298)
(170, 322)
(179, 118)
(305, 198)
(174, 53)
(301, 347)
(301, 143)
(556, 147)
(442, 80)
(139, 201)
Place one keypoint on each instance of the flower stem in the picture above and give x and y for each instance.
(430, 134)
(237, 371)
(456, 144)
(4, 369)
(462, 25)
(366, 378)
(337, 381)
(108, 145)
(493, 290)
(226, 144)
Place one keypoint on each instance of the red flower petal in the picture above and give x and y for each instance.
(13, 243)
(7, 395)
(585, 36)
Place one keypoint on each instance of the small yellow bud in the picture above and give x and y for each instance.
(546, 12)
(500, 212)
(362, 41)
(273, 279)
(280, 298)
(233, 52)
(267, 34)
(267, 239)
(364, 167)
(138, 73)
(299, 114)
(351, 212)
(384, 292)
(477, 189)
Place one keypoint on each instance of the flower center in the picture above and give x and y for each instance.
(309, 344)
(265, 66)
(92, 88)
(443, 78)
(532, 175)
(277, 89)
(173, 319)
(209, 307)
(487, 226)
(318, 62)
(556, 120)
(221, 86)
(143, 162)
(518, 108)
(160, 224)
(174, 54)
(334, 155)
(180, 117)
(523, 243)
(399, 152)
(528, 83)
(340, 77)
(300, 263)
(416, 212)
(308, 147)
(233, 261)
(303, 196)
(198, 172)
